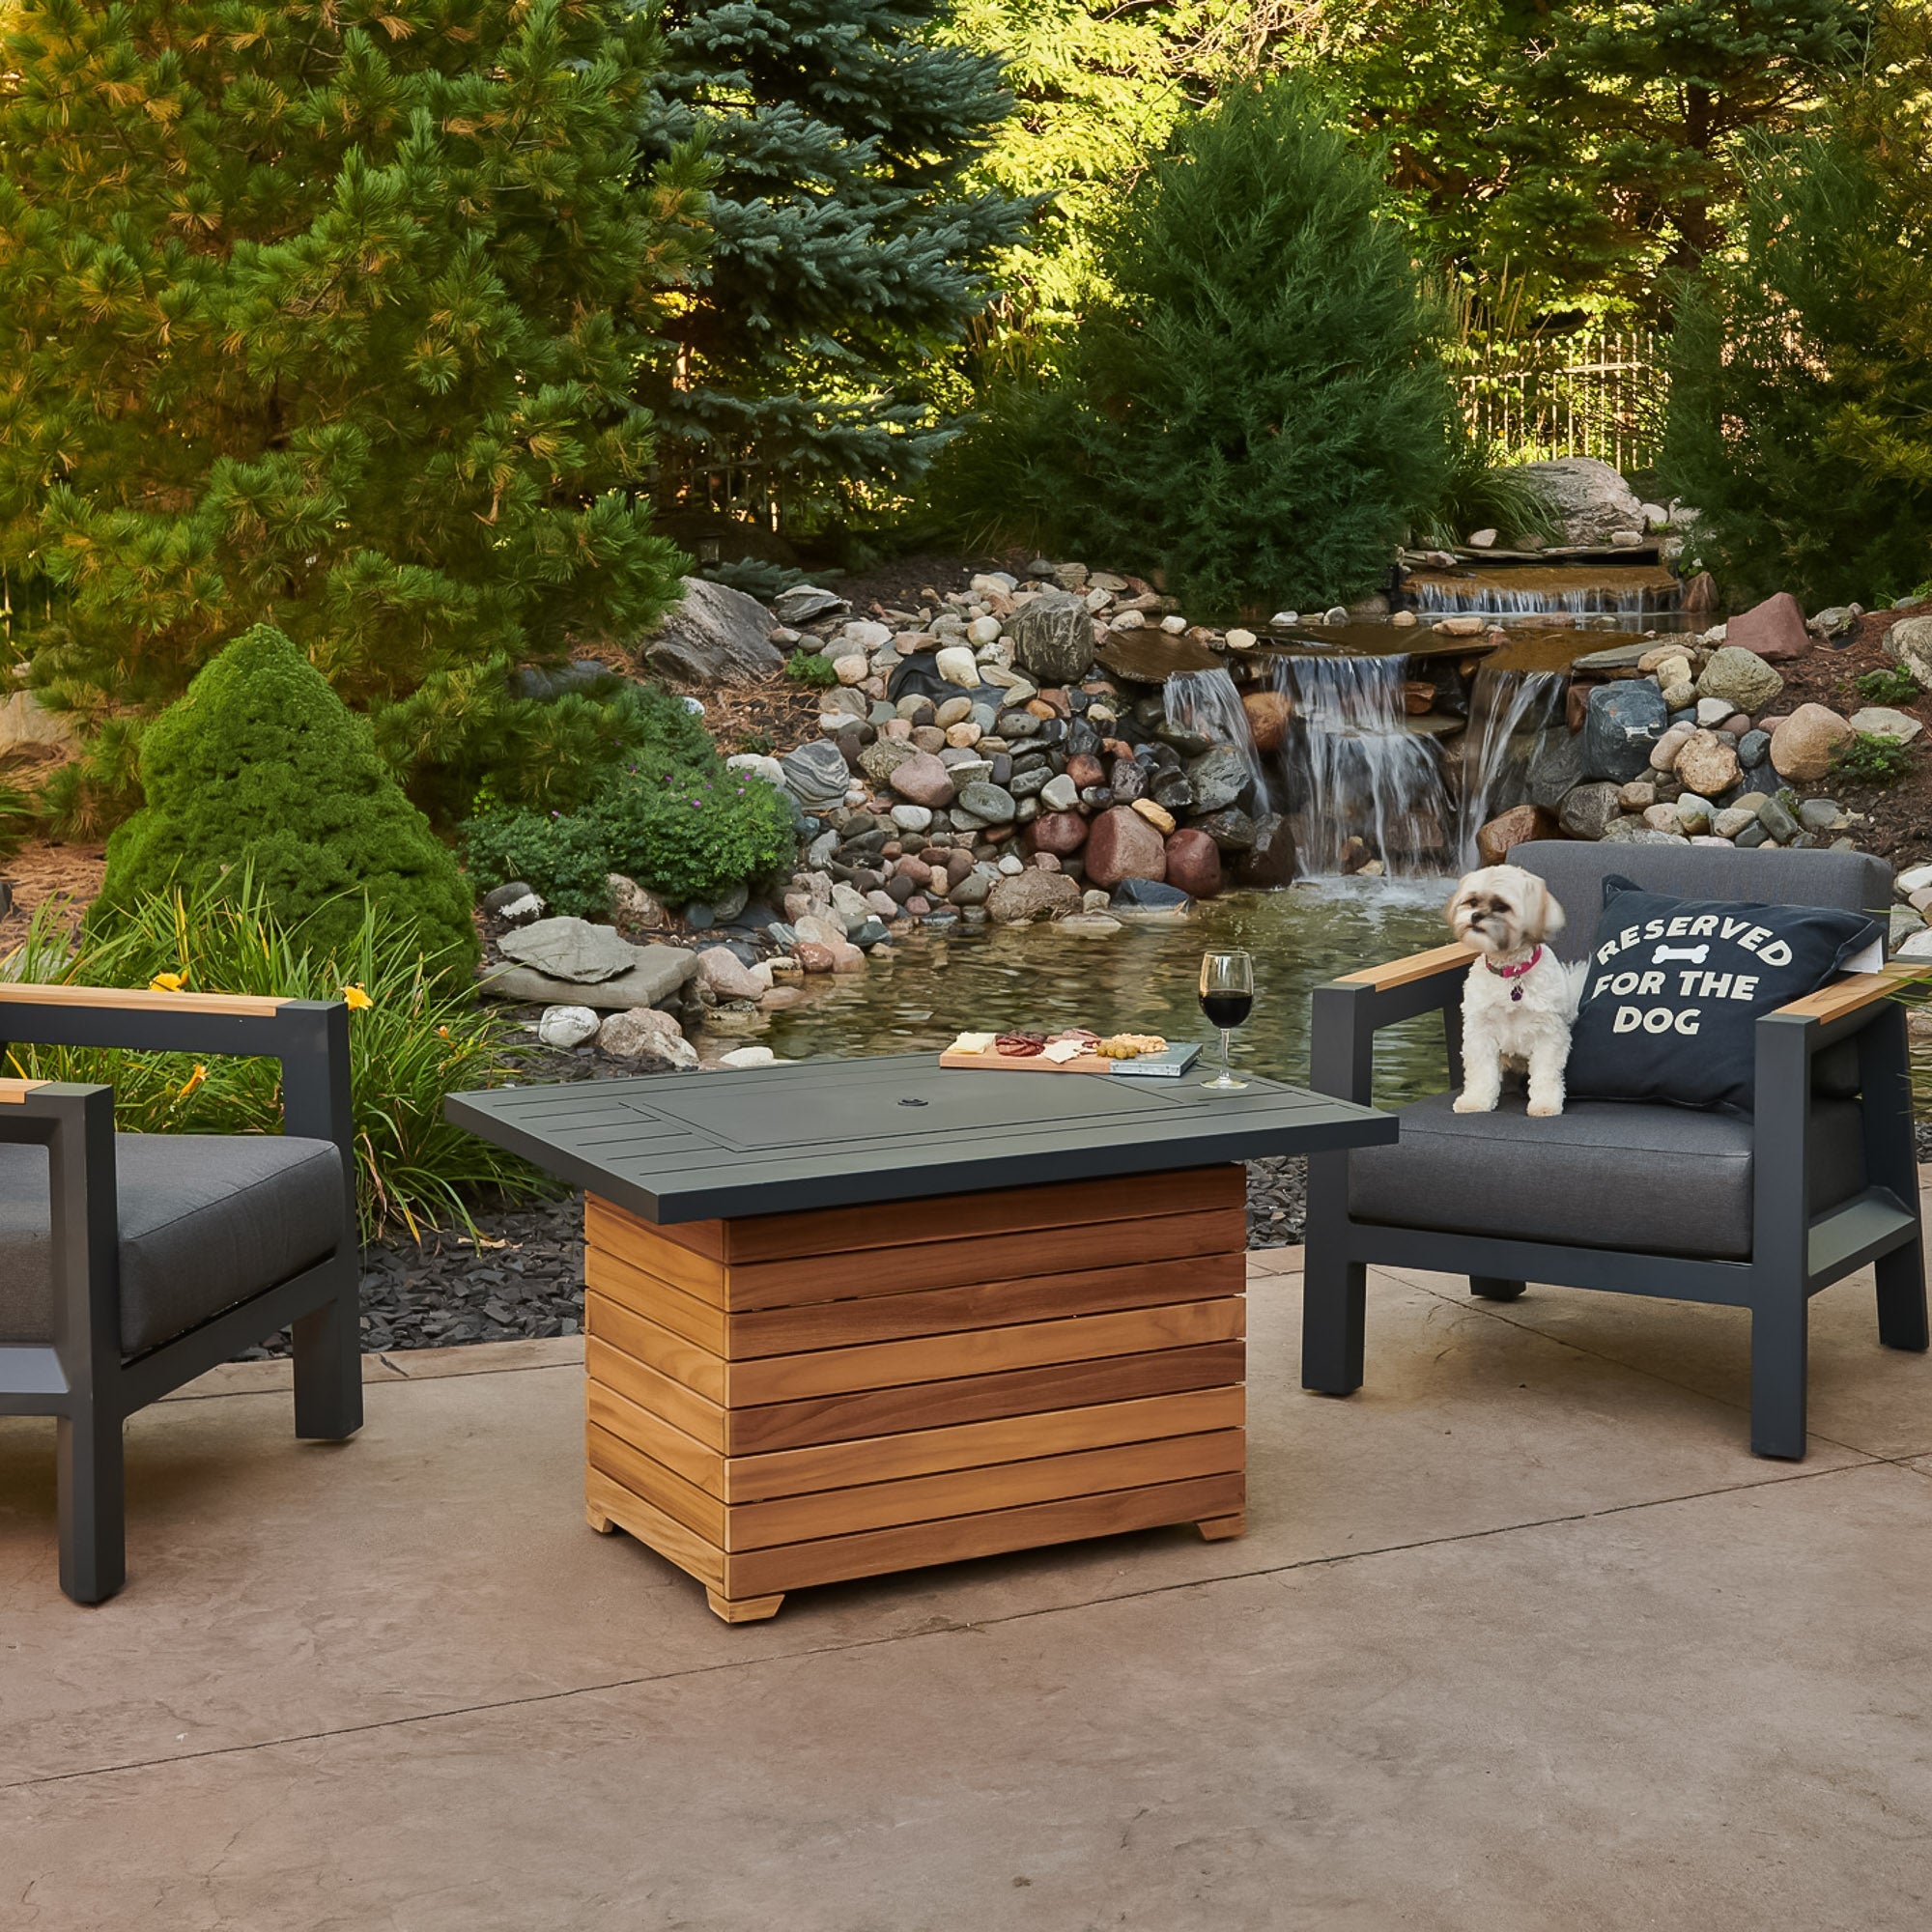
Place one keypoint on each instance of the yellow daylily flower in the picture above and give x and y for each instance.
(167, 982)
(193, 1080)
(357, 1000)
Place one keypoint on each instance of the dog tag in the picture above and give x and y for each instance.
(1516, 992)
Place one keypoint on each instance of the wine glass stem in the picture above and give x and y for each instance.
(1226, 1049)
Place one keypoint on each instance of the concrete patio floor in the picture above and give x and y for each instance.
(1521, 1637)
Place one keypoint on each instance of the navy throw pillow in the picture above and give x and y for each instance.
(1674, 988)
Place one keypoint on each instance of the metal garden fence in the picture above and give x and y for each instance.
(1598, 394)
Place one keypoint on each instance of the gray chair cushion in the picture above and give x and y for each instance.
(1574, 871)
(1602, 1173)
(206, 1220)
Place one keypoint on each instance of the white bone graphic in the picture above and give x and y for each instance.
(1696, 954)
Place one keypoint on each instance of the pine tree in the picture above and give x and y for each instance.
(1262, 413)
(849, 255)
(329, 314)
(1580, 149)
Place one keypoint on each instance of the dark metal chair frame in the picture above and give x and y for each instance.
(81, 1376)
(1794, 1254)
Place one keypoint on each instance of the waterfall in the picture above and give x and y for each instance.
(1506, 708)
(1355, 768)
(1207, 703)
(1495, 596)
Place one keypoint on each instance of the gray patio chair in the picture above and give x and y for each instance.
(132, 1263)
(1755, 1211)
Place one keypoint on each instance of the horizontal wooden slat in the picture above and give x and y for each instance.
(966, 1493)
(661, 1440)
(660, 1485)
(920, 1452)
(604, 1496)
(763, 1238)
(703, 1421)
(657, 1348)
(628, 1287)
(137, 999)
(983, 1351)
(886, 1318)
(16, 1091)
(629, 1239)
(874, 1553)
(1015, 1257)
(1449, 958)
(836, 1418)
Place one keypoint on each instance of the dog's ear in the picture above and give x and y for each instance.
(1541, 912)
(1454, 899)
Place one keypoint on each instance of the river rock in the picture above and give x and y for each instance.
(1059, 833)
(716, 636)
(724, 976)
(1740, 677)
(805, 604)
(1623, 721)
(1194, 863)
(1588, 811)
(1157, 815)
(1059, 793)
(883, 757)
(1027, 895)
(651, 1037)
(566, 1027)
(1664, 754)
(1591, 501)
(817, 774)
(1150, 899)
(958, 665)
(1231, 828)
(1269, 713)
(1052, 636)
(1801, 745)
(1268, 859)
(1777, 822)
(1707, 765)
(1556, 769)
(1908, 645)
(1121, 844)
(1774, 630)
(1883, 722)
(1516, 826)
(923, 780)
(571, 950)
(992, 803)
(1220, 776)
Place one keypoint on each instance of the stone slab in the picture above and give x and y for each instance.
(660, 972)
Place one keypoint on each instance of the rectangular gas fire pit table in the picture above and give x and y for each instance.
(849, 1316)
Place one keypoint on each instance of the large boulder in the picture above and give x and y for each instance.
(1625, 719)
(650, 1039)
(717, 636)
(1027, 895)
(1707, 765)
(660, 972)
(1269, 713)
(1269, 860)
(1908, 645)
(1057, 832)
(817, 774)
(1516, 826)
(572, 949)
(1741, 677)
(1775, 629)
(1121, 844)
(1194, 863)
(1556, 768)
(1589, 810)
(1801, 745)
(1052, 636)
(1218, 778)
(1592, 502)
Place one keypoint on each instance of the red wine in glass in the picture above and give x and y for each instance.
(1227, 998)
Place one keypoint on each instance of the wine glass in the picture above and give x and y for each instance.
(1227, 998)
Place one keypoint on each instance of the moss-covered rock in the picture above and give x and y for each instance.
(261, 767)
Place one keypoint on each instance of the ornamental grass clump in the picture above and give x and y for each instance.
(413, 1039)
(261, 771)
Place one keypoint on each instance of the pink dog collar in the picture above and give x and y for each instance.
(1515, 972)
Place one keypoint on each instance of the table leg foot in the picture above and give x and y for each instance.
(602, 1525)
(1217, 1529)
(744, 1609)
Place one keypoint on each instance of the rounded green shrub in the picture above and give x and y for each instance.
(690, 834)
(259, 770)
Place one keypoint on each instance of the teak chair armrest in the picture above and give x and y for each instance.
(1405, 972)
(137, 999)
(1847, 995)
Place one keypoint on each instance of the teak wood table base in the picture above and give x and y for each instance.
(782, 1400)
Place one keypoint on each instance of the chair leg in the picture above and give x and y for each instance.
(1492, 1287)
(328, 1368)
(1779, 1339)
(1334, 1306)
(1901, 1296)
(91, 1481)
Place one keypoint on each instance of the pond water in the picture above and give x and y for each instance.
(938, 982)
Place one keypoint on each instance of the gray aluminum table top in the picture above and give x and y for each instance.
(837, 1133)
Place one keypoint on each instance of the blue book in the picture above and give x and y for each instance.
(1180, 1056)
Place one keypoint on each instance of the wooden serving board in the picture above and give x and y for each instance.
(1034, 1062)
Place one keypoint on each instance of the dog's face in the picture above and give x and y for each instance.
(1503, 909)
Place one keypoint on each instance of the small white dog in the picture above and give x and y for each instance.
(1518, 999)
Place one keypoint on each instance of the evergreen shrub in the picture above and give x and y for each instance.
(566, 859)
(690, 834)
(1262, 413)
(260, 770)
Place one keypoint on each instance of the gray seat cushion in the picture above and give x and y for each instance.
(206, 1220)
(1602, 1173)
